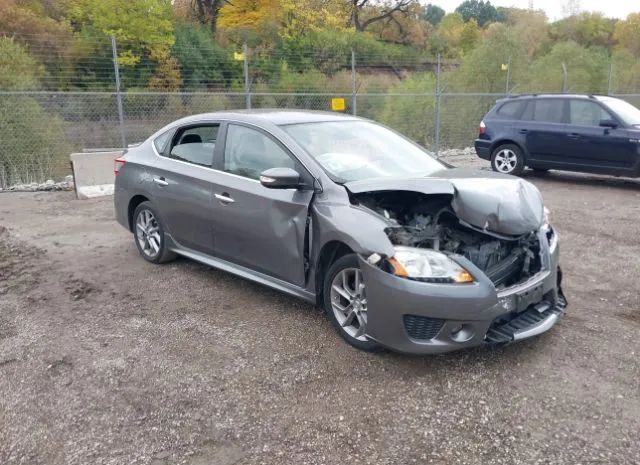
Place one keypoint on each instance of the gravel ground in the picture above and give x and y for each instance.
(106, 359)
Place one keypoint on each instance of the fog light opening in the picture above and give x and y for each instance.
(461, 332)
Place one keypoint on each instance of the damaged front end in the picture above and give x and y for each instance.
(431, 222)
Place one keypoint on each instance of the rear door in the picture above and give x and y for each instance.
(183, 181)
(543, 128)
(257, 227)
(590, 145)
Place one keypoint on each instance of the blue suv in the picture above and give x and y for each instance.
(593, 134)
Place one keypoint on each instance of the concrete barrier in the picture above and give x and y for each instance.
(93, 173)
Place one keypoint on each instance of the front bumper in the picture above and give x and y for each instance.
(425, 318)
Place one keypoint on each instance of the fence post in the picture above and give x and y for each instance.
(508, 75)
(116, 69)
(438, 96)
(564, 78)
(354, 103)
(610, 77)
(247, 83)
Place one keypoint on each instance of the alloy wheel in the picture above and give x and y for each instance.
(506, 160)
(349, 302)
(148, 233)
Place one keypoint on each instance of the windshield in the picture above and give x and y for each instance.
(357, 150)
(629, 114)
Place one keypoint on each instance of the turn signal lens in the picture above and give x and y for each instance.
(483, 128)
(463, 277)
(398, 268)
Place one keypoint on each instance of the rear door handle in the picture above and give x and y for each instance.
(160, 181)
(573, 135)
(224, 198)
(523, 131)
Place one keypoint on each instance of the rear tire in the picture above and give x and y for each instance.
(508, 159)
(148, 234)
(345, 302)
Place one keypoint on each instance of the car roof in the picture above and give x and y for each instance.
(273, 116)
(558, 96)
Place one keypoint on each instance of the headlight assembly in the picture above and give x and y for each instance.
(546, 218)
(427, 265)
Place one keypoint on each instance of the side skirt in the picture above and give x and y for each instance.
(241, 271)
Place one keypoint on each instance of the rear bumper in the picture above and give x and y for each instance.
(424, 318)
(483, 148)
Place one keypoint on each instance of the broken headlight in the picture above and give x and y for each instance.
(546, 218)
(427, 265)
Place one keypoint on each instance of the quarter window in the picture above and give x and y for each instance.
(586, 113)
(195, 144)
(160, 142)
(249, 152)
(510, 110)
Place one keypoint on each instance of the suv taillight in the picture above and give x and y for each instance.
(482, 128)
(118, 163)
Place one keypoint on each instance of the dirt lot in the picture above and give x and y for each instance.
(107, 359)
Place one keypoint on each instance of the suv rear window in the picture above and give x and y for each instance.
(544, 110)
(511, 110)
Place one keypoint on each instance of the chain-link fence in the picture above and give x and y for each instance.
(40, 128)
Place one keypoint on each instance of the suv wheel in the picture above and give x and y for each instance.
(508, 159)
(345, 302)
(149, 235)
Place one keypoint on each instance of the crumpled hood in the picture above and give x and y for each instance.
(487, 200)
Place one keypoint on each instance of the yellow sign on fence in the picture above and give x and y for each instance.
(337, 104)
(238, 56)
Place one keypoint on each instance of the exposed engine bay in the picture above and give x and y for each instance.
(428, 221)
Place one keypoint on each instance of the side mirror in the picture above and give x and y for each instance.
(608, 123)
(280, 178)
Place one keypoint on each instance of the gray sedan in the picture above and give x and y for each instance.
(400, 250)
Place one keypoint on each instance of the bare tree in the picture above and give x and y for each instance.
(207, 11)
(384, 11)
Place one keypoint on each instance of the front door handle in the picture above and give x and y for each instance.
(160, 181)
(523, 131)
(224, 198)
(573, 135)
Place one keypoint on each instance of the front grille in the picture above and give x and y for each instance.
(421, 327)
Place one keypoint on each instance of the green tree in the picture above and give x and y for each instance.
(412, 115)
(142, 27)
(627, 34)
(433, 14)
(203, 63)
(483, 12)
(587, 69)
(18, 70)
(469, 36)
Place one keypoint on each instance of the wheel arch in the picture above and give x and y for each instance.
(133, 204)
(329, 253)
(501, 142)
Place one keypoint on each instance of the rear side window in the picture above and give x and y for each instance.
(195, 144)
(544, 110)
(510, 110)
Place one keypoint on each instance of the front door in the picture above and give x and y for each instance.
(257, 227)
(590, 145)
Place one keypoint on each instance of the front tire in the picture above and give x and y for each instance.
(148, 234)
(508, 159)
(345, 302)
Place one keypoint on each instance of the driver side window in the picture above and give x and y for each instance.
(249, 152)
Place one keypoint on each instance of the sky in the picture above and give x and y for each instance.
(554, 8)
